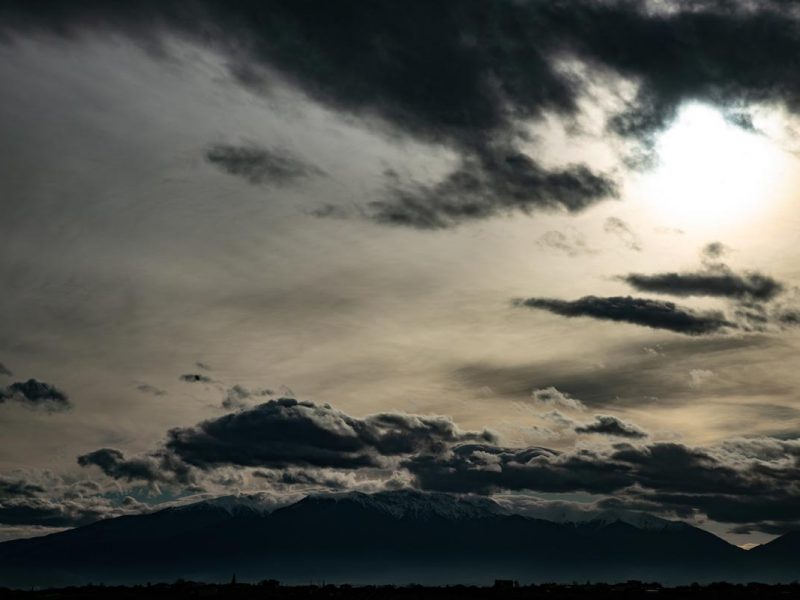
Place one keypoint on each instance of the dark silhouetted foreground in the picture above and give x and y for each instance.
(502, 590)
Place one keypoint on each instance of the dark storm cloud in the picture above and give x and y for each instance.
(195, 378)
(619, 228)
(159, 467)
(474, 73)
(717, 282)
(656, 314)
(477, 68)
(36, 394)
(485, 468)
(612, 426)
(488, 184)
(260, 166)
(751, 482)
(469, 75)
(113, 463)
(287, 432)
(4, 370)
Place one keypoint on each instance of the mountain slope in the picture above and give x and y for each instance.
(395, 537)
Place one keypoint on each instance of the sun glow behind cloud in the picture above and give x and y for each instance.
(712, 172)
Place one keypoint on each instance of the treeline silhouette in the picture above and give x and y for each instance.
(501, 590)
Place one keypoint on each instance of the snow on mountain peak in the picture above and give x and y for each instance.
(414, 504)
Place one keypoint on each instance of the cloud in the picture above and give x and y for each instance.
(479, 76)
(482, 68)
(4, 370)
(112, 463)
(717, 282)
(489, 184)
(236, 396)
(557, 418)
(656, 314)
(619, 228)
(36, 394)
(552, 397)
(631, 378)
(301, 445)
(13, 488)
(260, 166)
(749, 481)
(45, 500)
(307, 480)
(287, 432)
(698, 377)
(714, 251)
(485, 468)
(146, 388)
(195, 378)
(154, 468)
(612, 426)
(572, 245)
(743, 120)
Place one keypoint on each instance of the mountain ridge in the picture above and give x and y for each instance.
(399, 536)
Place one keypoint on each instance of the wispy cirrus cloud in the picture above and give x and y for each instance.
(259, 165)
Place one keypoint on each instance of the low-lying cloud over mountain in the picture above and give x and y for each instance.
(294, 443)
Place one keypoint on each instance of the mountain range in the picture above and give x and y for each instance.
(387, 537)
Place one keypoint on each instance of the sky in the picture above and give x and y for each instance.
(541, 251)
